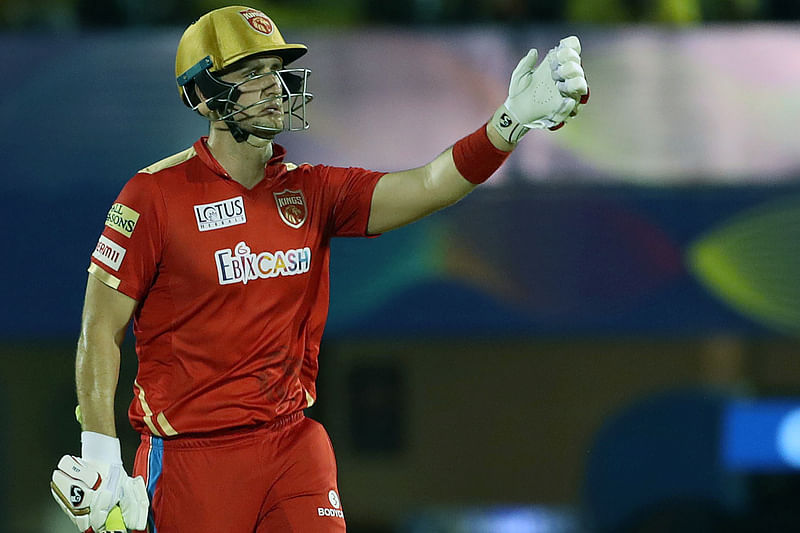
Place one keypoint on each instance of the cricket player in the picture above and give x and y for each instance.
(220, 256)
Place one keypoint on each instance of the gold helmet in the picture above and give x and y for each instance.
(219, 39)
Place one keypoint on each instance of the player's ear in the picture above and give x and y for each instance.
(202, 107)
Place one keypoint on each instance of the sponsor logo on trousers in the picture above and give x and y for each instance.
(333, 497)
(336, 513)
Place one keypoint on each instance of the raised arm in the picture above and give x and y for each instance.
(539, 97)
(406, 196)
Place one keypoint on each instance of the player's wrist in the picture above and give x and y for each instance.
(476, 157)
(100, 448)
(505, 123)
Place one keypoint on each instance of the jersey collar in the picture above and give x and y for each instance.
(274, 164)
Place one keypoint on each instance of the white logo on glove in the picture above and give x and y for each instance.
(75, 495)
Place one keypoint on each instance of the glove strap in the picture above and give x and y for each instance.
(507, 126)
(100, 448)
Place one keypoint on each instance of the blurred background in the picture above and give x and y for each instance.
(603, 338)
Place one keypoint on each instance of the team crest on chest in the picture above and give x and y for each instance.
(291, 207)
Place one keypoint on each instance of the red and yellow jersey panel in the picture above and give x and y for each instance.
(231, 283)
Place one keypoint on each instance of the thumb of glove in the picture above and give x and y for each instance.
(134, 503)
(525, 65)
(100, 507)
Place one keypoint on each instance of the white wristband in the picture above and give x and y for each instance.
(100, 448)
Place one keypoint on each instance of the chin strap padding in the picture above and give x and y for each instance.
(225, 96)
(238, 133)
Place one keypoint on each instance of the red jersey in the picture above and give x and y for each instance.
(232, 285)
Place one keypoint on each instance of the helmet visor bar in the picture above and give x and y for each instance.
(294, 96)
(295, 83)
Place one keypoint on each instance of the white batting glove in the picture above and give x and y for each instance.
(134, 502)
(543, 96)
(87, 489)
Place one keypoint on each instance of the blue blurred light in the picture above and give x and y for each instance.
(496, 519)
(789, 438)
(521, 520)
(762, 436)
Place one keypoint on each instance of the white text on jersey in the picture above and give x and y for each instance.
(220, 214)
(109, 253)
(240, 265)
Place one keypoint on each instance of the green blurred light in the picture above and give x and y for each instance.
(752, 262)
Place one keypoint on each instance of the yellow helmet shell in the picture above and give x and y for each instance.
(223, 36)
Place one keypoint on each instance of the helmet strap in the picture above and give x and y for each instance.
(208, 84)
(238, 133)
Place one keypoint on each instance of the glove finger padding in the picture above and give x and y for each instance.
(571, 42)
(569, 117)
(574, 86)
(568, 70)
(569, 75)
(567, 55)
(566, 111)
(568, 106)
(74, 486)
(134, 503)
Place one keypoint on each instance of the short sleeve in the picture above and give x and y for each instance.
(351, 191)
(129, 249)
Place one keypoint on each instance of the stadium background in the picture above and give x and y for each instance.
(602, 338)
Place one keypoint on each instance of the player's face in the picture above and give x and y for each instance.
(259, 82)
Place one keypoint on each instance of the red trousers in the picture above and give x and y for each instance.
(280, 478)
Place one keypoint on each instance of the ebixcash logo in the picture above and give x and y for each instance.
(220, 214)
(241, 265)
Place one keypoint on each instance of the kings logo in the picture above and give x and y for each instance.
(291, 207)
(257, 20)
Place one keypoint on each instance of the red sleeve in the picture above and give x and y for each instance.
(128, 252)
(350, 190)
